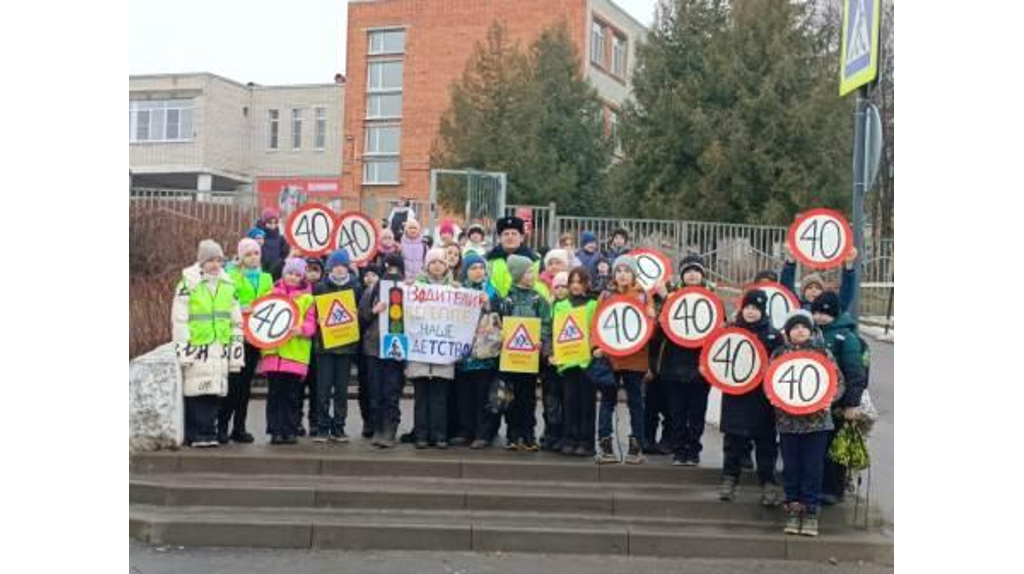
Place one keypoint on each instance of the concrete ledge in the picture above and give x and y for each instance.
(240, 464)
(539, 503)
(156, 406)
(873, 549)
(697, 545)
(384, 467)
(392, 537)
(515, 470)
(262, 535)
(489, 538)
(391, 500)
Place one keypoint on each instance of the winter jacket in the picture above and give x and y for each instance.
(272, 362)
(846, 286)
(674, 362)
(247, 292)
(498, 272)
(638, 361)
(275, 250)
(611, 253)
(814, 422)
(416, 370)
(567, 305)
(751, 414)
(493, 305)
(522, 302)
(205, 367)
(414, 251)
(324, 287)
(589, 260)
(842, 341)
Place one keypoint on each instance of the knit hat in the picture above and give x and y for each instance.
(827, 303)
(209, 249)
(256, 233)
(295, 265)
(518, 266)
(628, 261)
(511, 222)
(314, 262)
(371, 268)
(561, 280)
(470, 259)
(246, 246)
(812, 279)
(387, 232)
(434, 254)
(394, 260)
(587, 237)
(766, 275)
(692, 261)
(338, 257)
(757, 298)
(798, 317)
(476, 228)
(447, 227)
(270, 213)
(560, 254)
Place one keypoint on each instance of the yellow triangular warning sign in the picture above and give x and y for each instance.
(338, 315)
(520, 340)
(570, 332)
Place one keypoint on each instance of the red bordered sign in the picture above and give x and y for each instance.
(357, 234)
(271, 321)
(621, 326)
(781, 301)
(733, 360)
(653, 265)
(690, 315)
(310, 229)
(801, 382)
(820, 238)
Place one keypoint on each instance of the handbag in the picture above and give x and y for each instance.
(487, 342)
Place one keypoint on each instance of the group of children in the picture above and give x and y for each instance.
(454, 404)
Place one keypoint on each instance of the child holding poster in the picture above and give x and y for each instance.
(251, 283)
(314, 274)
(551, 381)
(524, 301)
(629, 370)
(571, 318)
(804, 438)
(430, 381)
(473, 376)
(335, 357)
(385, 378)
(287, 365)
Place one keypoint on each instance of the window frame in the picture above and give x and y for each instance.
(185, 107)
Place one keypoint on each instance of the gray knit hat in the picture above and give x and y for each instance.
(628, 261)
(209, 249)
(518, 266)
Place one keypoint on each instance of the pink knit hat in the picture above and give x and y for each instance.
(561, 280)
(435, 254)
(247, 245)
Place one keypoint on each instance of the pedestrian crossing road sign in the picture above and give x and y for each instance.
(859, 49)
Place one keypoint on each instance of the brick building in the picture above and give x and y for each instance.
(402, 56)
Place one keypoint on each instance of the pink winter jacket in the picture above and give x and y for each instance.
(274, 363)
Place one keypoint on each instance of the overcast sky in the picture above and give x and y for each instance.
(262, 41)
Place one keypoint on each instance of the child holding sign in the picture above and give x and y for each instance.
(750, 417)
(430, 382)
(314, 273)
(812, 284)
(524, 301)
(679, 373)
(334, 358)
(251, 283)
(384, 377)
(579, 396)
(206, 326)
(287, 365)
(473, 376)
(552, 385)
(804, 438)
(629, 370)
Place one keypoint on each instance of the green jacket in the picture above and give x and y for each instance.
(565, 306)
(246, 292)
(522, 302)
(842, 341)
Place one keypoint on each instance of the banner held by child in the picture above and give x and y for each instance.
(521, 351)
(571, 339)
(338, 318)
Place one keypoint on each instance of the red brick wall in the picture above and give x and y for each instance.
(440, 36)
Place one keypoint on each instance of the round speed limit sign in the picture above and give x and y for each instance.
(621, 326)
(801, 382)
(690, 315)
(357, 234)
(733, 360)
(653, 266)
(820, 238)
(271, 321)
(781, 301)
(310, 229)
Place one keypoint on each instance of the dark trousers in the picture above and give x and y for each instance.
(471, 389)
(363, 378)
(430, 409)
(522, 415)
(688, 403)
(632, 380)
(201, 418)
(333, 371)
(452, 407)
(736, 448)
(834, 480)
(803, 459)
(308, 388)
(579, 401)
(656, 411)
(552, 389)
(235, 406)
(384, 387)
(283, 398)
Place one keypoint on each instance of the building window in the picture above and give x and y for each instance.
(321, 128)
(275, 121)
(619, 56)
(383, 140)
(380, 106)
(613, 130)
(386, 42)
(385, 76)
(296, 129)
(380, 171)
(597, 34)
(160, 121)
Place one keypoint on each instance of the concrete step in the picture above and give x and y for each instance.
(488, 531)
(647, 501)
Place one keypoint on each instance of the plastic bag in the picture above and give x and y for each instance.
(499, 396)
(849, 448)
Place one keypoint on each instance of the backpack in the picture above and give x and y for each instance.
(865, 354)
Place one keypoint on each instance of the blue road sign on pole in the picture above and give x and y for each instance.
(859, 49)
